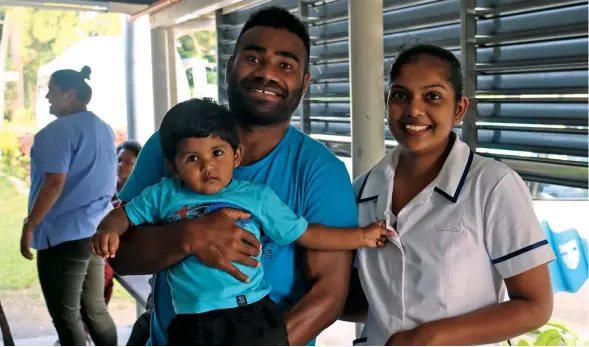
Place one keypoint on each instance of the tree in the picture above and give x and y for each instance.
(44, 35)
(201, 44)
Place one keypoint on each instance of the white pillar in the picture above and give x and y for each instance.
(172, 83)
(160, 74)
(366, 83)
(129, 90)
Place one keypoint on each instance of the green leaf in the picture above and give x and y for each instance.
(550, 337)
(523, 342)
(562, 327)
(569, 340)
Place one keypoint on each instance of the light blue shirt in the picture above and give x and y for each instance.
(195, 287)
(303, 173)
(82, 146)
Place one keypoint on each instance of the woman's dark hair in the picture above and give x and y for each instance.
(413, 54)
(67, 80)
(131, 146)
(197, 118)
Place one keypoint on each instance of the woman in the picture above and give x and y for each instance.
(73, 165)
(464, 225)
(127, 153)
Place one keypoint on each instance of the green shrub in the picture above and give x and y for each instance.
(552, 334)
(15, 147)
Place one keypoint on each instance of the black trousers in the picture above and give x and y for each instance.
(258, 324)
(72, 280)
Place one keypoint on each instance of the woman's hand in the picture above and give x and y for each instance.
(25, 241)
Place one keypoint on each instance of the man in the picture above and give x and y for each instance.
(267, 76)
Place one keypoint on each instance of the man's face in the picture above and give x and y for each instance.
(266, 78)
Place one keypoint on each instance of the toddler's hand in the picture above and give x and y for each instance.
(105, 244)
(375, 234)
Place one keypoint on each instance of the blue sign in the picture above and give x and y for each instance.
(570, 270)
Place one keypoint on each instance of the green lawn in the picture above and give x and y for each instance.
(15, 271)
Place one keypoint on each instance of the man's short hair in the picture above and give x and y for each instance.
(197, 118)
(278, 18)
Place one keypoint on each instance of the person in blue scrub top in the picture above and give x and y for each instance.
(73, 179)
(267, 76)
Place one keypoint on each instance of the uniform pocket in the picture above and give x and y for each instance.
(457, 279)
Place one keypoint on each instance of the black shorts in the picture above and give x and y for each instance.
(260, 324)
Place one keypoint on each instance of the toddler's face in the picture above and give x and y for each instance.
(206, 164)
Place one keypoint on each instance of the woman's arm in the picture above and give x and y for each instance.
(529, 307)
(49, 192)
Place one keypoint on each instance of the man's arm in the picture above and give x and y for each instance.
(322, 305)
(330, 202)
(148, 249)
(356, 307)
(214, 239)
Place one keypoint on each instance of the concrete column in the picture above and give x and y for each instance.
(221, 92)
(129, 97)
(366, 83)
(160, 74)
(172, 82)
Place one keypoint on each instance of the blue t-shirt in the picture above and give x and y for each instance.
(195, 287)
(82, 146)
(303, 173)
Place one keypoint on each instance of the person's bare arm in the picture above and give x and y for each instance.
(321, 237)
(322, 305)
(50, 191)
(214, 239)
(105, 242)
(115, 221)
(356, 307)
(148, 249)
(529, 307)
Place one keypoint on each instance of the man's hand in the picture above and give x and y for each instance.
(25, 241)
(217, 241)
(375, 234)
(105, 244)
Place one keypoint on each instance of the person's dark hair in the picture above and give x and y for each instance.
(413, 53)
(278, 18)
(131, 146)
(197, 118)
(68, 79)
